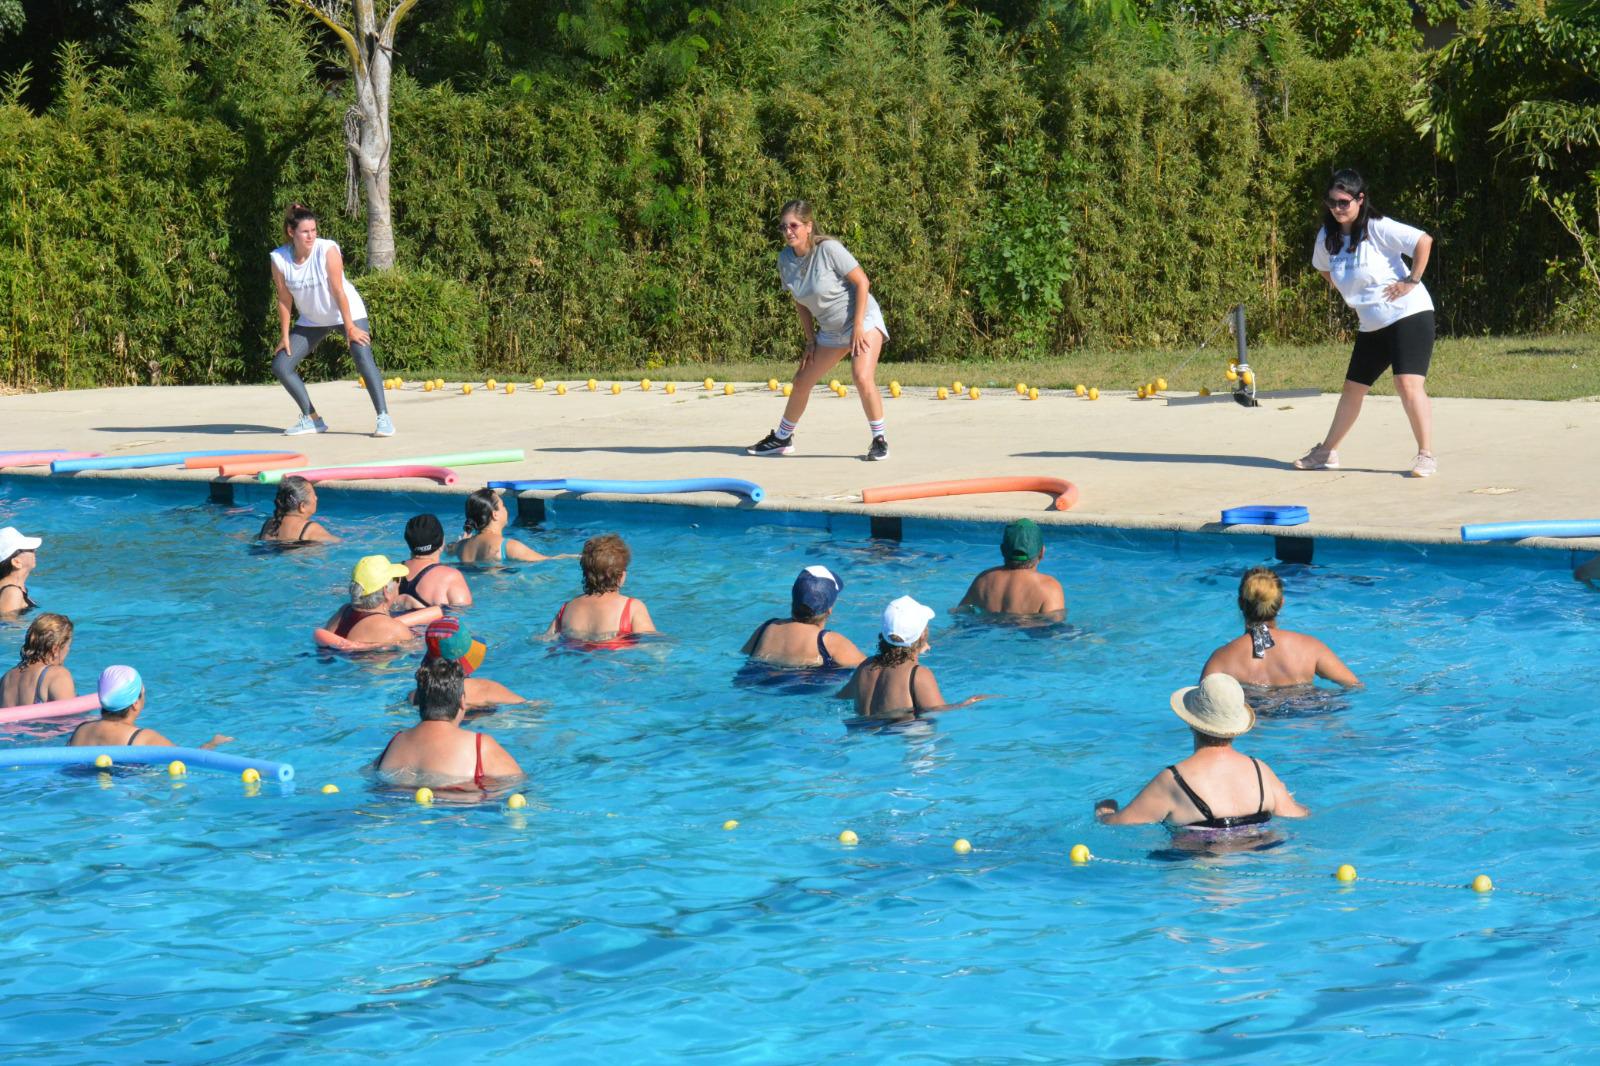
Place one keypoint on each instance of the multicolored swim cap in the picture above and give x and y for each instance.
(449, 639)
(119, 688)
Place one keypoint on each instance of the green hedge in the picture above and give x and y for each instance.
(1000, 208)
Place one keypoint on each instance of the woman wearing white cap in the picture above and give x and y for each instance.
(17, 560)
(804, 639)
(1216, 788)
(892, 684)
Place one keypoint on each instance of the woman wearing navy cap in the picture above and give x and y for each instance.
(804, 639)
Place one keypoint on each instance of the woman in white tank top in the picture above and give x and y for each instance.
(309, 275)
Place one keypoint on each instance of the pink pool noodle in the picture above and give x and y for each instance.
(366, 473)
(53, 709)
(42, 458)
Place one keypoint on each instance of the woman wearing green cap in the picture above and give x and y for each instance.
(1016, 587)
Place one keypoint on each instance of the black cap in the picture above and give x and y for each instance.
(424, 535)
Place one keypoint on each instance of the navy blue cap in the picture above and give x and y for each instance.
(816, 589)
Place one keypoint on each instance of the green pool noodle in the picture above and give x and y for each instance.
(514, 455)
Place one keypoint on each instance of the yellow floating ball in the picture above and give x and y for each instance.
(1022, 388)
(176, 768)
(942, 393)
(671, 388)
(973, 393)
(388, 386)
(1094, 393)
(730, 825)
(1161, 383)
(1481, 883)
(1080, 390)
(1345, 873)
(834, 384)
(709, 384)
(849, 839)
(511, 387)
(1150, 388)
(1204, 391)
(102, 761)
(561, 388)
(962, 846)
(1233, 360)
(1248, 377)
(538, 384)
(466, 388)
(1033, 394)
(772, 384)
(1233, 375)
(251, 776)
(516, 801)
(427, 386)
(644, 384)
(841, 392)
(491, 384)
(955, 386)
(727, 390)
(591, 384)
(329, 789)
(1139, 392)
(1079, 854)
(616, 388)
(788, 388)
(423, 795)
(894, 389)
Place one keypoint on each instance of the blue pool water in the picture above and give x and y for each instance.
(615, 921)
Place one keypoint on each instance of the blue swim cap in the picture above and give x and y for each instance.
(816, 589)
(119, 688)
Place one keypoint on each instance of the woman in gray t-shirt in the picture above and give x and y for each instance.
(838, 318)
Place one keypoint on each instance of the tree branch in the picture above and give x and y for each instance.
(389, 25)
(346, 38)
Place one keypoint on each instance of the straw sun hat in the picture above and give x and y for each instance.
(1215, 707)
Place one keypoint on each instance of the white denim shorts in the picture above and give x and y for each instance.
(840, 338)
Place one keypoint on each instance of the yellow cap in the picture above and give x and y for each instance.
(375, 571)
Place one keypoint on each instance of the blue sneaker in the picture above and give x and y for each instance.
(306, 425)
(385, 427)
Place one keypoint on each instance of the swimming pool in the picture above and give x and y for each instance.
(615, 920)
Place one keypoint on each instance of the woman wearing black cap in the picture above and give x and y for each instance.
(429, 582)
(804, 639)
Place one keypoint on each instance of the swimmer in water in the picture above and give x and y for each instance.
(1016, 587)
(292, 512)
(1216, 788)
(41, 676)
(18, 556)
(121, 702)
(803, 639)
(374, 585)
(428, 582)
(892, 685)
(483, 536)
(602, 613)
(449, 638)
(1269, 657)
(437, 751)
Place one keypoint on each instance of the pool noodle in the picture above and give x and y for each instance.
(145, 755)
(1571, 527)
(53, 709)
(515, 455)
(373, 473)
(137, 462)
(1065, 492)
(208, 462)
(42, 458)
(735, 486)
(255, 466)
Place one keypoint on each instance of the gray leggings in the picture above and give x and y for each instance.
(303, 340)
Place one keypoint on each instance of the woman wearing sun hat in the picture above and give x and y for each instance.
(892, 684)
(17, 560)
(1217, 787)
(449, 638)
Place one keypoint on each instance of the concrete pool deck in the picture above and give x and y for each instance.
(1137, 464)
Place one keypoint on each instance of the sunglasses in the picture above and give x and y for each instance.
(1338, 204)
(785, 227)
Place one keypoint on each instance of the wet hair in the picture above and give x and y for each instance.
(366, 601)
(801, 209)
(894, 654)
(294, 492)
(480, 511)
(440, 686)
(802, 613)
(1348, 180)
(48, 634)
(604, 560)
(1260, 595)
(296, 214)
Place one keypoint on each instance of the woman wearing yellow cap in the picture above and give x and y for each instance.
(374, 584)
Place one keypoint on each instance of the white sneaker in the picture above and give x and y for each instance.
(1424, 465)
(385, 427)
(306, 424)
(1318, 458)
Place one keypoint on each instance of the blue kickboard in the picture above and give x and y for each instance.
(1267, 514)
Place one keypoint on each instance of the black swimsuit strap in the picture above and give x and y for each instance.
(1261, 788)
(408, 585)
(133, 736)
(916, 708)
(1194, 797)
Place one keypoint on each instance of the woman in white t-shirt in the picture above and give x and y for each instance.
(838, 318)
(309, 275)
(1360, 252)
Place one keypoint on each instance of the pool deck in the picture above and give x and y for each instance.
(1137, 464)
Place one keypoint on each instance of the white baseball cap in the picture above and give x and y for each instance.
(12, 542)
(905, 620)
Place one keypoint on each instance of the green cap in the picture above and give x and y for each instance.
(1022, 541)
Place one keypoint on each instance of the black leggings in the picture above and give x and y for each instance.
(1407, 345)
(303, 340)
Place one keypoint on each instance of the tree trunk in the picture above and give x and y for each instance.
(372, 98)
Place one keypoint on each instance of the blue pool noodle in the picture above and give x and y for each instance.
(1267, 515)
(136, 462)
(736, 486)
(1569, 527)
(146, 755)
